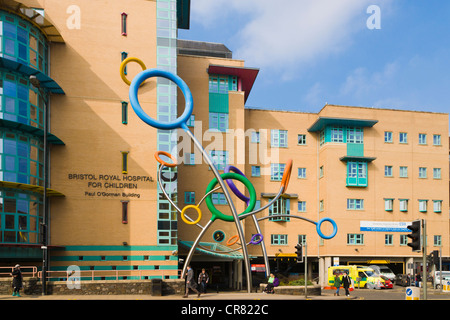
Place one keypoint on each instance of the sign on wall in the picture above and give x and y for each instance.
(384, 226)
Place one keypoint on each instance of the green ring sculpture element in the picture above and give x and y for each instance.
(216, 214)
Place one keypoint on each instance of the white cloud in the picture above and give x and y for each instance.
(286, 35)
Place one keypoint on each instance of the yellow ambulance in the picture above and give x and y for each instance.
(362, 276)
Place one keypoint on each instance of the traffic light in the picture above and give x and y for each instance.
(435, 257)
(415, 236)
(299, 252)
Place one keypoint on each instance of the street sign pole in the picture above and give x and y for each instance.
(424, 258)
(306, 270)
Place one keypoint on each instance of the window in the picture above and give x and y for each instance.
(301, 173)
(355, 204)
(422, 172)
(301, 206)
(255, 137)
(218, 121)
(124, 55)
(219, 158)
(355, 239)
(279, 239)
(423, 205)
(388, 239)
(337, 134)
(219, 198)
(191, 121)
(422, 138)
(436, 139)
(189, 158)
(357, 174)
(302, 239)
(124, 211)
(403, 205)
(124, 112)
(321, 205)
(301, 139)
(189, 197)
(436, 173)
(321, 172)
(403, 172)
(124, 162)
(388, 204)
(281, 206)
(388, 171)
(437, 241)
(403, 137)
(437, 206)
(256, 171)
(355, 135)
(388, 136)
(403, 240)
(276, 171)
(278, 138)
(124, 23)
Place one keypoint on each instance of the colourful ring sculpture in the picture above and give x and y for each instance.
(233, 186)
(124, 64)
(164, 153)
(230, 243)
(252, 241)
(196, 209)
(319, 224)
(286, 175)
(216, 214)
(133, 95)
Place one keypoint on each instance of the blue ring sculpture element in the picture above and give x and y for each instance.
(319, 224)
(133, 94)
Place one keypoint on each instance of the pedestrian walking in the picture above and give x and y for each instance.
(337, 284)
(190, 283)
(17, 280)
(203, 280)
(346, 283)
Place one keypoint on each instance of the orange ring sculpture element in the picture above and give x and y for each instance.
(164, 153)
(230, 243)
(196, 209)
(286, 175)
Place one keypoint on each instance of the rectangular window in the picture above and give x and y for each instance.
(124, 211)
(124, 23)
(388, 239)
(422, 172)
(124, 55)
(422, 138)
(403, 172)
(189, 197)
(388, 204)
(404, 240)
(219, 158)
(189, 158)
(302, 239)
(437, 206)
(436, 173)
(256, 171)
(301, 139)
(301, 206)
(321, 205)
(278, 138)
(279, 239)
(355, 135)
(355, 204)
(281, 206)
(437, 241)
(276, 171)
(218, 121)
(191, 121)
(355, 239)
(357, 174)
(219, 198)
(388, 136)
(337, 134)
(423, 205)
(301, 173)
(403, 137)
(124, 162)
(124, 112)
(255, 137)
(388, 171)
(436, 139)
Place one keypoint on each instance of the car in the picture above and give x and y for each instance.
(387, 283)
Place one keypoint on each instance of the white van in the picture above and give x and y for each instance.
(384, 271)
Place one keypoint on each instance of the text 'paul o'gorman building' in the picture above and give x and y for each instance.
(78, 175)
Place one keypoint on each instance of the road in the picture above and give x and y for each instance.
(397, 293)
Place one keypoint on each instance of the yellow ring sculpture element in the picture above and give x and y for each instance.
(196, 209)
(124, 64)
(230, 243)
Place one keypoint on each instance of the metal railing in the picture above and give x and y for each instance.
(28, 271)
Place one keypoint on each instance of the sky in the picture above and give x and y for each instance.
(370, 53)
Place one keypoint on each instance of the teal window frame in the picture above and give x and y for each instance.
(256, 171)
(355, 135)
(301, 139)
(355, 239)
(437, 140)
(218, 121)
(123, 56)
(388, 137)
(403, 205)
(357, 174)
(278, 239)
(389, 239)
(189, 197)
(423, 205)
(219, 158)
(437, 240)
(301, 206)
(124, 112)
(337, 134)
(403, 172)
(276, 171)
(422, 172)
(218, 198)
(355, 204)
(278, 138)
(388, 204)
(437, 173)
(388, 171)
(281, 206)
(301, 174)
(403, 137)
(437, 206)
(191, 121)
(422, 138)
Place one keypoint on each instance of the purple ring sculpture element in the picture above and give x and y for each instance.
(252, 241)
(232, 186)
